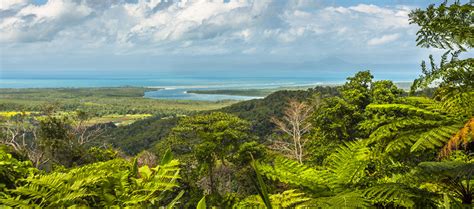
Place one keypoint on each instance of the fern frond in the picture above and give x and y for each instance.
(110, 183)
(342, 200)
(405, 109)
(425, 103)
(457, 101)
(445, 169)
(453, 178)
(402, 141)
(397, 126)
(347, 165)
(463, 136)
(398, 195)
(286, 199)
(435, 137)
(289, 199)
(293, 173)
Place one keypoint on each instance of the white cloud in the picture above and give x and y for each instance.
(383, 40)
(203, 26)
(41, 23)
(12, 4)
(370, 9)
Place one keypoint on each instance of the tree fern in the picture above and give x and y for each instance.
(61, 189)
(291, 172)
(405, 109)
(463, 137)
(454, 177)
(418, 124)
(348, 199)
(435, 137)
(457, 101)
(397, 194)
(418, 140)
(286, 199)
(104, 184)
(347, 165)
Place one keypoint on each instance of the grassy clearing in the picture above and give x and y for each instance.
(119, 120)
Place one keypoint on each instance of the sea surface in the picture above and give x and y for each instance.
(171, 88)
(175, 88)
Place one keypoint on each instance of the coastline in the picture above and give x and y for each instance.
(262, 92)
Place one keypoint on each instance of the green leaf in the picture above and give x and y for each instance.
(167, 157)
(261, 187)
(202, 203)
(134, 170)
(175, 200)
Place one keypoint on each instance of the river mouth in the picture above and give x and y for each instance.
(182, 94)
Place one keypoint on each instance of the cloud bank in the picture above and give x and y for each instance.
(298, 30)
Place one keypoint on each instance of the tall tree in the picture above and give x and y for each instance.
(212, 140)
(449, 27)
(295, 124)
(356, 90)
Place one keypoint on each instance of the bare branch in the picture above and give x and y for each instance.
(294, 124)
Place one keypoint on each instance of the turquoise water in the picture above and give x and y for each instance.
(222, 82)
(176, 88)
(173, 88)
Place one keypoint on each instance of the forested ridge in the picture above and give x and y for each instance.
(364, 144)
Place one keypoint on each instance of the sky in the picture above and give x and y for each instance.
(41, 38)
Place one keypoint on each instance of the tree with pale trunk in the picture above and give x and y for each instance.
(295, 125)
(21, 134)
(35, 138)
(84, 132)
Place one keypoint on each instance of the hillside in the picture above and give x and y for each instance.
(145, 133)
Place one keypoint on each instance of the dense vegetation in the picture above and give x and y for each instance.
(364, 144)
(99, 101)
(250, 92)
(239, 92)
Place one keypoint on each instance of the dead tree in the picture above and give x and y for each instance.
(21, 135)
(295, 125)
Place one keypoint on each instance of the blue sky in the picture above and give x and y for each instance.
(232, 37)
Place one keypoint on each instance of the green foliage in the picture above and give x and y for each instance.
(367, 143)
(104, 184)
(339, 117)
(348, 180)
(356, 90)
(261, 187)
(448, 27)
(418, 124)
(143, 134)
(286, 199)
(202, 203)
(445, 26)
(400, 195)
(98, 154)
(293, 173)
(12, 169)
(247, 152)
(336, 119)
(454, 178)
(215, 135)
(341, 200)
(259, 112)
(385, 92)
(100, 101)
(216, 149)
(343, 174)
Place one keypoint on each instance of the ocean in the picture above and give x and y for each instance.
(175, 87)
(172, 88)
